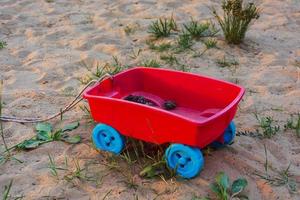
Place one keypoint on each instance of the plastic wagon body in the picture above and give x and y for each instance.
(205, 106)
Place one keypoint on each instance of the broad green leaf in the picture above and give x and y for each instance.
(2, 160)
(70, 127)
(72, 139)
(223, 180)
(42, 135)
(57, 135)
(153, 170)
(238, 185)
(44, 127)
(292, 186)
(29, 144)
(216, 189)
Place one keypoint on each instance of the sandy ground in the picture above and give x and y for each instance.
(49, 41)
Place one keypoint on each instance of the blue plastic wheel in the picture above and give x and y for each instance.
(187, 161)
(108, 139)
(229, 135)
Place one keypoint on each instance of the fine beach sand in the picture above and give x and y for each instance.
(47, 44)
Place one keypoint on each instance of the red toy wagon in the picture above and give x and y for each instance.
(164, 106)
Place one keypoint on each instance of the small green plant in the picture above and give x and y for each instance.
(293, 124)
(184, 42)
(267, 127)
(236, 19)
(210, 43)
(108, 68)
(87, 114)
(6, 155)
(279, 178)
(162, 27)
(3, 44)
(224, 62)
(151, 63)
(225, 191)
(128, 30)
(6, 191)
(149, 156)
(169, 59)
(53, 167)
(131, 28)
(45, 134)
(76, 173)
(198, 30)
(297, 64)
(160, 47)
(135, 53)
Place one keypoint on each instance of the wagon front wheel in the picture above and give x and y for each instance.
(228, 136)
(186, 161)
(108, 139)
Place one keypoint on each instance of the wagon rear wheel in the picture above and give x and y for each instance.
(228, 136)
(108, 139)
(186, 161)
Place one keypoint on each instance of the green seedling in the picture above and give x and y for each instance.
(160, 47)
(135, 53)
(278, 178)
(3, 44)
(236, 19)
(53, 167)
(267, 127)
(151, 63)
(87, 114)
(162, 27)
(297, 64)
(6, 193)
(224, 190)
(158, 169)
(184, 42)
(169, 59)
(198, 30)
(130, 29)
(7, 189)
(45, 134)
(6, 155)
(108, 68)
(226, 62)
(209, 44)
(293, 124)
(76, 173)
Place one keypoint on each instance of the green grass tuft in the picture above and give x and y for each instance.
(236, 19)
(169, 59)
(160, 47)
(162, 27)
(3, 44)
(224, 62)
(198, 30)
(151, 63)
(210, 43)
(184, 42)
(293, 124)
(267, 126)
